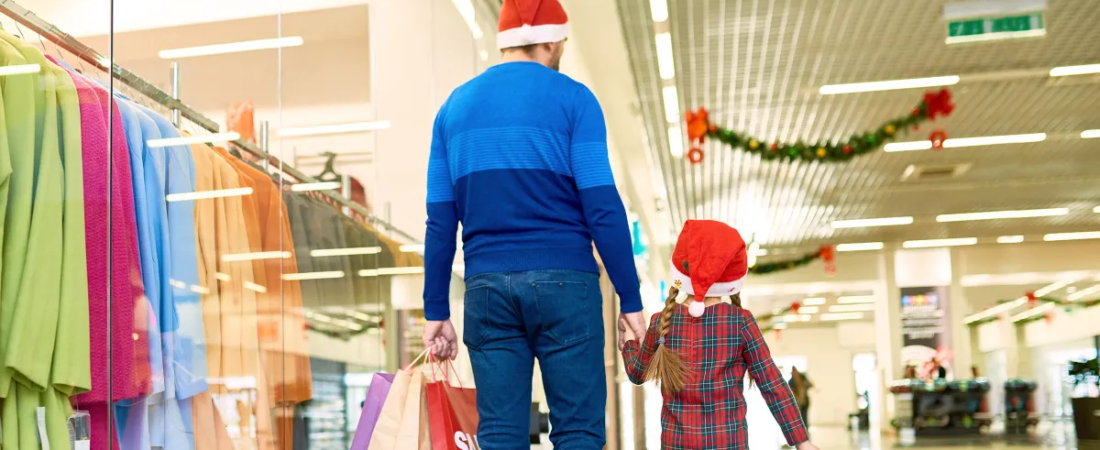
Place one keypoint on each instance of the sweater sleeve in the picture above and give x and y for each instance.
(603, 208)
(770, 379)
(636, 356)
(442, 227)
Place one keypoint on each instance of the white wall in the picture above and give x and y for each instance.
(829, 368)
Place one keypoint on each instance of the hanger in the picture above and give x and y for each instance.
(330, 172)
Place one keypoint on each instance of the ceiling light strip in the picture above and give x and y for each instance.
(412, 248)
(203, 195)
(860, 247)
(322, 253)
(1075, 70)
(880, 222)
(994, 215)
(996, 310)
(320, 186)
(855, 299)
(666, 63)
(1054, 237)
(1010, 239)
(1090, 134)
(255, 256)
(814, 301)
(313, 276)
(934, 243)
(391, 271)
(1033, 312)
(889, 85)
(233, 47)
(659, 10)
(1083, 293)
(836, 317)
(188, 140)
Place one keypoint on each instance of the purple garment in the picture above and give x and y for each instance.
(372, 406)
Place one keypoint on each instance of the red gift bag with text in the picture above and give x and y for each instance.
(452, 412)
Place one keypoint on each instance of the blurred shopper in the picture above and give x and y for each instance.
(519, 158)
(800, 386)
(706, 410)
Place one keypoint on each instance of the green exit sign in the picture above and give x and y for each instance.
(991, 29)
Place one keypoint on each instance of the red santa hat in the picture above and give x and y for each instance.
(709, 261)
(526, 22)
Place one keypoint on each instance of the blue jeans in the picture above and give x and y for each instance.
(557, 317)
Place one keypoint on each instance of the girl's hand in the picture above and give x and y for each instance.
(807, 446)
(626, 333)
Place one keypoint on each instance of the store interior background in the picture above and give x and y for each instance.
(398, 60)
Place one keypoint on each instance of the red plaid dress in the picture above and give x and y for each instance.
(718, 348)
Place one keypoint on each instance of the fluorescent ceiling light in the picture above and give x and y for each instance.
(994, 311)
(809, 310)
(932, 243)
(676, 141)
(1075, 70)
(200, 289)
(177, 284)
(995, 36)
(856, 299)
(188, 140)
(234, 47)
(322, 186)
(202, 195)
(1010, 239)
(469, 14)
(993, 215)
(412, 248)
(672, 104)
(1033, 312)
(1090, 134)
(851, 308)
(797, 318)
(908, 146)
(873, 86)
(313, 276)
(1072, 236)
(347, 324)
(780, 326)
(345, 251)
(255, 256)
(1081, 294)
(1096, 210)
(859, 247)
(223, 276)
(833, 317)
(666, 64)
(1054, 287)
(20, 69)
(967, 142)
(994, 140)
(391, 271)
(881, 222)
(659, 9)
(254, 287)
(354, 127)
(814, 301)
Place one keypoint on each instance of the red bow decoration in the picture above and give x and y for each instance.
(1032, 299)
(795, 307)
(698, 123)
(828, 255)
(938, 104)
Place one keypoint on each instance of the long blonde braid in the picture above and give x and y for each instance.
(666, 367)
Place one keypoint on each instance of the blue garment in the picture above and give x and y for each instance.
(555, 316)
(519, 157)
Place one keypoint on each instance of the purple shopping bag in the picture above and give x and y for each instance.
(376, 396)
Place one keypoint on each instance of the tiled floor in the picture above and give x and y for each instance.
(1048, 437)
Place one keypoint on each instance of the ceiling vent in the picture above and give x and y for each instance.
(934, 172)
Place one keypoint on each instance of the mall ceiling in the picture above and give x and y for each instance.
(758, 66)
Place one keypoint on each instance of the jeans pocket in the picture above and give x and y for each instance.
(564, 308)
(475, 329)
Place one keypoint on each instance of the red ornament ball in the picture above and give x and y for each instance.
(775, 146)
(695, 155)
(937, 137)
(847, 149)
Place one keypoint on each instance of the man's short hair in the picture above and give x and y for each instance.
(529, 49)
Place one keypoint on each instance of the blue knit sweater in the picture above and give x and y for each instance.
(519, 158)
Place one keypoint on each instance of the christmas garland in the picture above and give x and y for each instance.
(825, 253)
(1034, 301)
(934, 104)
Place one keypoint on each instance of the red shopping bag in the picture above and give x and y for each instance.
(452, 412)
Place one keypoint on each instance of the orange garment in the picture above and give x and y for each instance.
(205, 238)
(210, 429)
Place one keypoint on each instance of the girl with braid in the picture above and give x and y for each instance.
(701, 353)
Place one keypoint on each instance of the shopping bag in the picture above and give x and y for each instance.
(452, 412)
(372, 408)
(416, 410)
(400, 411)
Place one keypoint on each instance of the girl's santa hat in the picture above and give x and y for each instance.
(526, 22)
(710, 260)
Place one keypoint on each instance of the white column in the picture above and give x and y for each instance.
(887, 334)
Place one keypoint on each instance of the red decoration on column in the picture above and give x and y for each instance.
(1049, 317)
(828, 254)
(695, 155)
(795, 307)
(1032, 300)
(937, 137)
(778, 334)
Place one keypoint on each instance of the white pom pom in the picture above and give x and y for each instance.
(697, 308)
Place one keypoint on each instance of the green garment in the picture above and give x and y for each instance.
(20, 120)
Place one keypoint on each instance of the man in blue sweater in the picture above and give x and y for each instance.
(519, 158)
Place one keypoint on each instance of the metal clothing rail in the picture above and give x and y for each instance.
(91, 56)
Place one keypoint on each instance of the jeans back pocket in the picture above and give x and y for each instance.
(475, 329)
(565, 310)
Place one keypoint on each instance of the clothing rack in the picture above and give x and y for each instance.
(91, 56)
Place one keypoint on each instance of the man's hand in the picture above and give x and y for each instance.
(807, 446)
(635, 323)
(440, 339)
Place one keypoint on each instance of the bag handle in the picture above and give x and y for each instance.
(443, 366)
(414, 361)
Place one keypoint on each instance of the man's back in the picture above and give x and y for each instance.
(519, 157)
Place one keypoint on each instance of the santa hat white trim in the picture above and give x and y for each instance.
(720, 289)
(527, 35)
